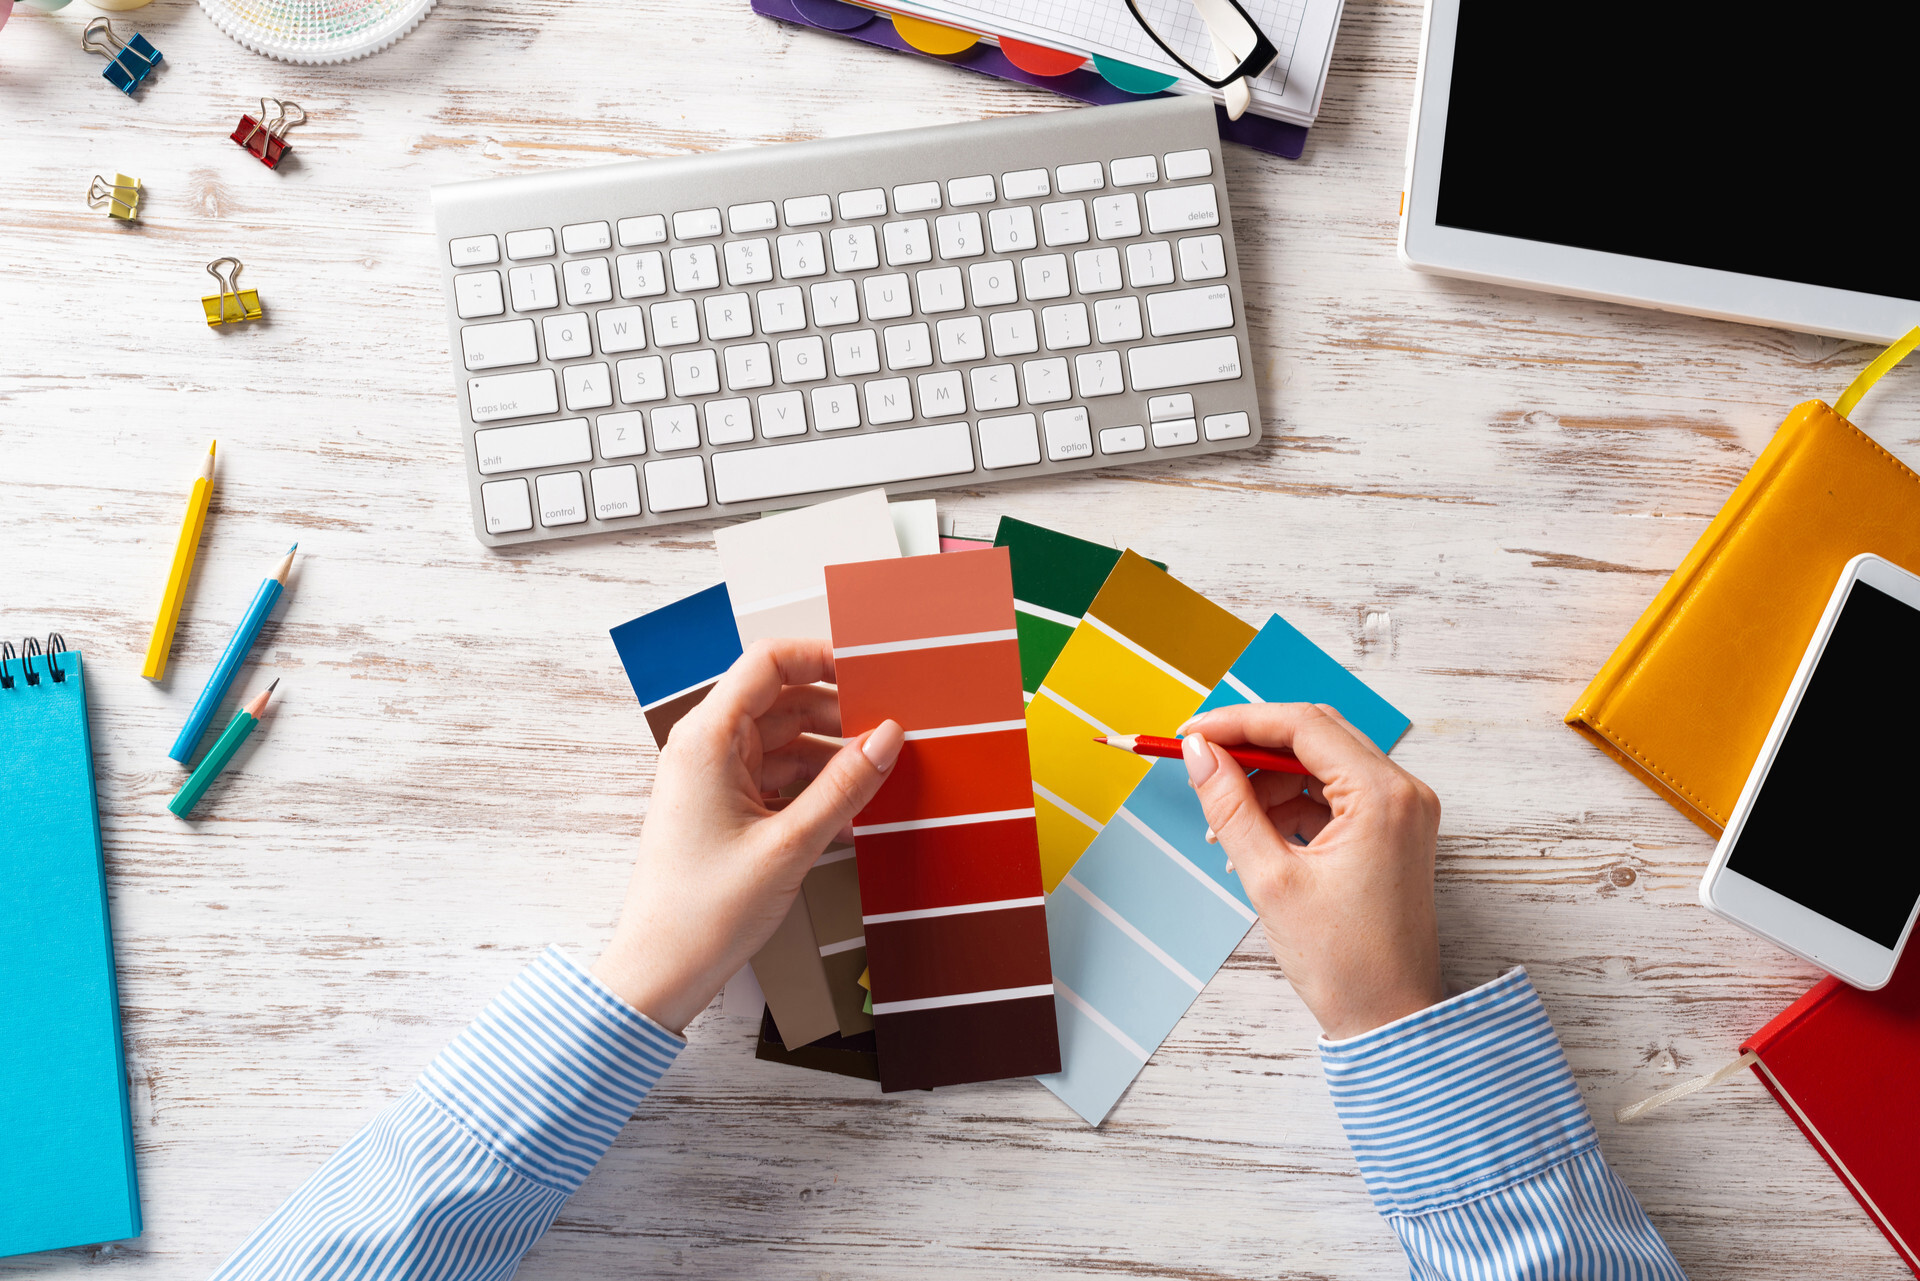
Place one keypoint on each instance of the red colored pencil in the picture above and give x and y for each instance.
(1169, 749)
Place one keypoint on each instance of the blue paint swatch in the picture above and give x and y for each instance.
(674, 654)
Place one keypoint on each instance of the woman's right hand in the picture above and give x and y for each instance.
(1339, 865)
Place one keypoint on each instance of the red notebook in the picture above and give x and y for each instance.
(1845, 1064)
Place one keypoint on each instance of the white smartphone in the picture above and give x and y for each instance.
(1822, 853)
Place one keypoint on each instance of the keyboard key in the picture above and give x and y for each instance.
(802, 254)
(1117, 319)
(587, 281)
(695, 267)
(616, 492)
(1202, 258)
(1014, 333)
(622, 435)
(641, 275)
(805, 211)
(728, 316)
(674, 429)
(563, 499)
(1013, 441)
(916, 197)
(803, 360)
(1064, 223)
(970, 191)
(1045, 276)
(1045, 380)
(749, 262)
(1182, 208)
(908, 242)
(833, 303)
(1083, 177)
(1025, 184)
(475, 251)
(513, 396)
(478, 294)
(960, 236)
(835, 408)
(1068, 435)
(1178, 431)
(854, 248)
(1065, 326)
(507, 505)
(676, 484)
(642, 379)
(782, 413)
(993, 388)
(648, 230)
(887, 296)
(1097, 271)
(533, 288)
(1150, 264)
(870, 202)
(992, 284)
(753, 217)
(941, 394)
(939, 290)
(1189, 311)
(1179, 406)
(1116, 217)
(586, 237)
(532, 445)
(1098, 373)
(887, 401)
(588, 386)
(1135, 171)
(695, 373)
(881, 458)
(1122, 440)
(856, 352)
(497, 346)
(567, 337)
(1201, 360)
(749, 366)
(696, 224)
(909, 346)
(620, 330)
(676, 323)
(962, 338)
(1232, 426)
(1012, 229)
(537, 243)
(1182, 165)
(780, 310)
(729, 422)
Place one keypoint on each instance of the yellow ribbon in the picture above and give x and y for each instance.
(1872, 373)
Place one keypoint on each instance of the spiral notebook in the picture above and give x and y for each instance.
(66, 1139)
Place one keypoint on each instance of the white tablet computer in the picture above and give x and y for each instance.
(1723, 160)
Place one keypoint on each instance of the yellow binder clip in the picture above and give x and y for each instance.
(120, 198)
(232, 304)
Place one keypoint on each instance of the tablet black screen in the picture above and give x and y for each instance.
(1772, 142)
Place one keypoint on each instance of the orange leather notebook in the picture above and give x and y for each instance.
(1687, 698)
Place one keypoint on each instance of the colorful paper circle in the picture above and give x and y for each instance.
(1039, 60)
(48, 6)
(931, 37)
(1124, 75)
(833, 15)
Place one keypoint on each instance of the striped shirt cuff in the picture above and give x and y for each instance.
(551, 1071)
(1458, 1100)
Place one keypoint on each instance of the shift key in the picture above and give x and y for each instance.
(532, 445)
(513, 395)
(1174, 364)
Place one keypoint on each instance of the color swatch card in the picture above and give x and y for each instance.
(1055, 578)
(1142, 922)
(1147, 651)
(774, 567)
(675, 654)
(954, 918)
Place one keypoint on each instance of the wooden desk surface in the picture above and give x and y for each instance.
(1466, 493)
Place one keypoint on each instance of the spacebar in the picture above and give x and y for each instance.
(880, 458)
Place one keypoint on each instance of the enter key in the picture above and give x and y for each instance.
(1189, 311)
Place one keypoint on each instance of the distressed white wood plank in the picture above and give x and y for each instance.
(1467, 493)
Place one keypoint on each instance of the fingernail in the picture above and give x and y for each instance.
(1191, 722)
(883, 745)
(1200, 762)
(1212, 839)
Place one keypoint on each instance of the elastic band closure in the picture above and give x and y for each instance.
(1874, 372)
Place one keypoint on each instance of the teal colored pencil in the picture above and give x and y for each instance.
(222, 751)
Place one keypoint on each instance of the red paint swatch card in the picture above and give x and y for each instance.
(948, 854)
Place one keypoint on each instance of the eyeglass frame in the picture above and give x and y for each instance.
(1263, 55)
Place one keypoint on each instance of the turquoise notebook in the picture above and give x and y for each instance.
(66, 1142)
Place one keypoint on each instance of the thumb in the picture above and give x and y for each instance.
(1233, 811)
(841, 789)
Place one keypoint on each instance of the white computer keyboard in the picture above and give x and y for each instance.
(714, 335)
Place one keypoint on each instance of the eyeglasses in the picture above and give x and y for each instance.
(1216, 41)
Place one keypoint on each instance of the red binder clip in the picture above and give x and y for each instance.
(265, 139)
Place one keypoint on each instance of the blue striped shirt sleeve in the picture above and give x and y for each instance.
(1477, 1148)
(466, 1170)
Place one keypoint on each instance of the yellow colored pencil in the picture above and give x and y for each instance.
(183, 553)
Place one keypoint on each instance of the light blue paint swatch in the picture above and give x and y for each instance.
(1150, 912)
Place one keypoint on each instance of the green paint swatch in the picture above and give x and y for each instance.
(1055, 578)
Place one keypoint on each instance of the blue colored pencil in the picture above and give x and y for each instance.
(228, 667)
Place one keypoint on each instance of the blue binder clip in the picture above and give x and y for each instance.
(128, 61)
